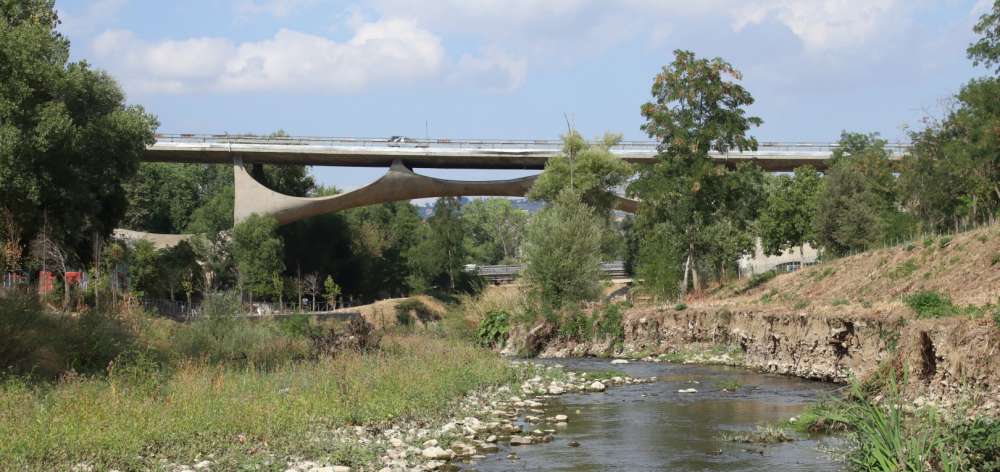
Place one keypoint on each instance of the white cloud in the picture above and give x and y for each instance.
(492, 70)
(819, 24)
(381, 51)
(275, 8)
(824, 24)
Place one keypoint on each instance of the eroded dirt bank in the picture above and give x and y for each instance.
(944, 359)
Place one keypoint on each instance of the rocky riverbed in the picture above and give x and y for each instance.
(483, 423)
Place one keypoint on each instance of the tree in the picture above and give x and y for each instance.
(52, 253)
(686, 198)
(310, 283)
(68, 142)
(562, 252)
(986, 50)
(331, 291)
(857, 202)
(787, 219)
(440, 254)
(592, 170)
(257, 251)
(495, 229)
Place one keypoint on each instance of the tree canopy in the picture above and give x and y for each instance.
(68, 141)
(690, 207)
(590, 169)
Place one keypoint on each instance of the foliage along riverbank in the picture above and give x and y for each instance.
(237, 393)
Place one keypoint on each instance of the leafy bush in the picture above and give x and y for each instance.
(576, 325)
(928, 304)
(297, 326)
(979, 441)
(493, 329)
(47, 344)
(609, 325)
(680, 307)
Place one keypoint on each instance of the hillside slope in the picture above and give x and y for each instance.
(965, 267)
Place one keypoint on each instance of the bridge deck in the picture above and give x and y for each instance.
(441, 153)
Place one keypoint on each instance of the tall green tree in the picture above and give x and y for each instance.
(986, 50)
(787, 219)
(562, 252)
(257, 250)
(495, 229)
(688, 202)
(440, 255)
(951, 177)
(857, 205)
(590, 169)
(68, 141)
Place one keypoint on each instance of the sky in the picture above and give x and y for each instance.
(517, 68)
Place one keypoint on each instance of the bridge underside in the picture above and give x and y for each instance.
(399, 183)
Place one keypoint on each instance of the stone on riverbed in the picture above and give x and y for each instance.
(597, 386)
(687, 390)
(520, 440)
(620, 361)
(436, 453)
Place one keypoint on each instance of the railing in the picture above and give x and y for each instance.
(499, 273)
(541, 145)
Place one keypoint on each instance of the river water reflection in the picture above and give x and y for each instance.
(653, 427)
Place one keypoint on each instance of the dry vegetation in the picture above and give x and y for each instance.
(963, 267)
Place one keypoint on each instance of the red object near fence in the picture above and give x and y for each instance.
(47, 280)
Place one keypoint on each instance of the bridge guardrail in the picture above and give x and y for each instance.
(499, 144)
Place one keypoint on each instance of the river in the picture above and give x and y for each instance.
(651, 427)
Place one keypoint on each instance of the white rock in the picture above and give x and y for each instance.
(436, 453)
(430, 443)
(687, 390)
(620, 361)
(520, 440)
(597, 386)
(561, 417)
(203, 465)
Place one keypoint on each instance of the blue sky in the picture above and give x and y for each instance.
(512, 68)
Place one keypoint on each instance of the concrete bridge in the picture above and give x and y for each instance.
(402, 155)
(446, 153)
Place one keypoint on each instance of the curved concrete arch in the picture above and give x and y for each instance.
(399, 183)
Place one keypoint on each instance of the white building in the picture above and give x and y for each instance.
(789, 261)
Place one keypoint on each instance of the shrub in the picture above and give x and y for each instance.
(406, 309)
(903, 270)
(680, 307)
(47, 344)
(609, 325)
(494, 329)
(576, 326)
(757, 280)
(928, 304)
(944, 242)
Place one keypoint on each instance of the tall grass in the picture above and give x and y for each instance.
(135, 415)
(889, 438)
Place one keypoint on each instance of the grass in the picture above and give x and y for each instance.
(730, 385)
(757, 280)
(930, 304)
(762, 435)
(137, 415)
(904, 270)
(887, 438)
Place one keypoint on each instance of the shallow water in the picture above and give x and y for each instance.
(653, 427)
